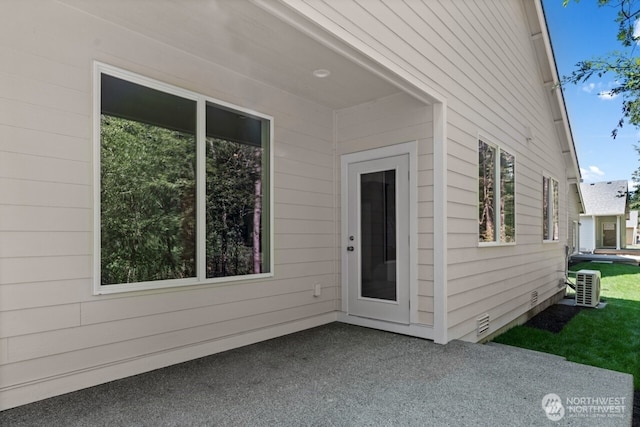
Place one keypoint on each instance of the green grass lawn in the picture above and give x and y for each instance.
(608, 338)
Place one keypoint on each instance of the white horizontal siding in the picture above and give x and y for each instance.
(303, 198)
(41, 319)
(392, 120)
(106, 310)
(51, 326)
(45, 268)
(32, 346)
(44, 218)
(40, 193)
(587, 234)
(48, 169)
(480, 57)
(43, 144)
(44, 293)
(301, 241)
(90, 357)
(45, 243)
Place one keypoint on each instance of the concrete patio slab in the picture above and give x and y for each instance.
(343, 375)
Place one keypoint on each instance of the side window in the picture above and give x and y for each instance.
(496, 194)
(550, 210)
(170, 213)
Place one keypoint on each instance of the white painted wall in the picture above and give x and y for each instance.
(393, 120)
(573, 218)
(587, 233)
(55, 336)
(480, 58)
(632, 228)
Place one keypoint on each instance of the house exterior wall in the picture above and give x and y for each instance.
(480, 58)
(591, 232)
(573, 218)
(393, 120)
(619, 222)
(632, 228)
(55, 335)
(587, 234)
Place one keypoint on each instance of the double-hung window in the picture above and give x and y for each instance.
(550, 212)
(496, 194)
(183, 186)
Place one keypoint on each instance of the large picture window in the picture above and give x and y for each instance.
(496, 194)
(550, 212)
(184, 187)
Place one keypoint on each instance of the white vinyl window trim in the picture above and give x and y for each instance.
(201, 100)
(550, 209)
(498, 196)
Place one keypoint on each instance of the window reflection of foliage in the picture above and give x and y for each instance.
(556, 210)
(486, 157)
(507, 197)
(147, 202)
(494, 199)
(234, 208)
(545, 208)
(550, 209)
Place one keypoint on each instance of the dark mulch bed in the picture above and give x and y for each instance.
(553, 320)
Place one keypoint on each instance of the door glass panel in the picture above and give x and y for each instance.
(378, 235)
(609, 234)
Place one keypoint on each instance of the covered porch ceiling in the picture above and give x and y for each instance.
(243, 37)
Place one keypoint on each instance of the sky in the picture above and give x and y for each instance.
(582, 31)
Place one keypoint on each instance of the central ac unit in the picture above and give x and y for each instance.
(588, 288)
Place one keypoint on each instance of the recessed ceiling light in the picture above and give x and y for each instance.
(321, 73)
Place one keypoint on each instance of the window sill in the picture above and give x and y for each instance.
(179, 283)
(494, 244)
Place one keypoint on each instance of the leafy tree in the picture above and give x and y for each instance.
(234, 200)
(507, 198)
(634, 196)
(147, 198)
(624, 68)
(623, 65)
(486, 162)
(148, 204)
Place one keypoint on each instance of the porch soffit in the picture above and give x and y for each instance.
(246, 39)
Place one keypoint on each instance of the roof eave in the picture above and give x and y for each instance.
(541, 40)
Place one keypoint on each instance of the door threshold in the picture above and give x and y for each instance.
(414, 330)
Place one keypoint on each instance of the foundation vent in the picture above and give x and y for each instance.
(483, 324)
(534, 298)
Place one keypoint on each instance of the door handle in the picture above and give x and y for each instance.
(350, 248)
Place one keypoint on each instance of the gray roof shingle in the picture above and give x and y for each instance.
(605, 198)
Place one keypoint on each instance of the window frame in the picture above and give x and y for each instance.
(200, 278)
(551, 208)
(497, 194)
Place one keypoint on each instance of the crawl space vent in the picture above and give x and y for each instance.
(534, 298)
(483, 324)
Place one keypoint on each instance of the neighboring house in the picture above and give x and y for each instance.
(603, 223)
(632, 229)
(180, 178)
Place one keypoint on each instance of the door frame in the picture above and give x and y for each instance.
(616, 234)
(410, 149)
